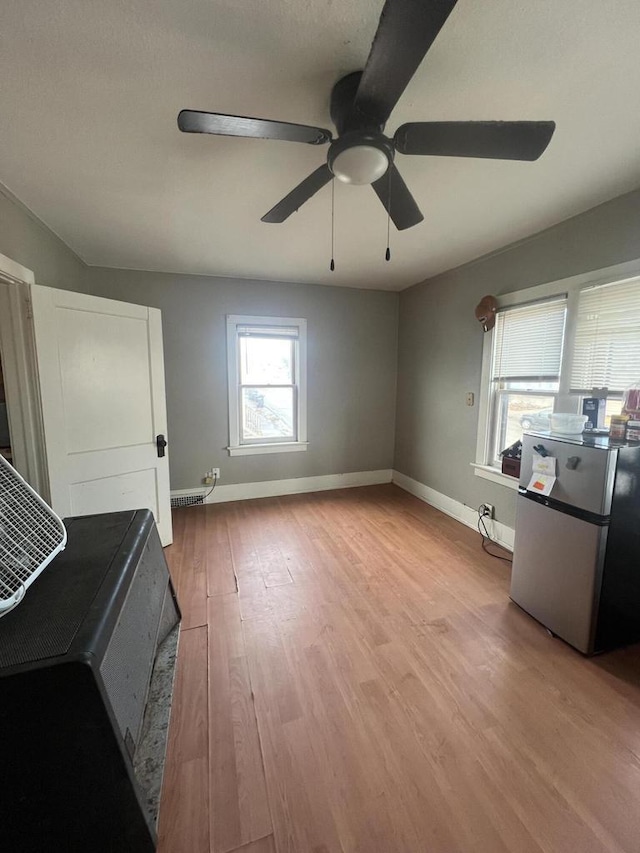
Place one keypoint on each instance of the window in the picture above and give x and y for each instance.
(525, 374)
(267, 384)
(606, 350)
(550, 347)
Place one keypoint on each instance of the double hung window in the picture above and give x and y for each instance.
(547, 354)
(267, 384)
(525, 374)
(606, 346)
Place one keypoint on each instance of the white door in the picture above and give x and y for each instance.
(101, 372)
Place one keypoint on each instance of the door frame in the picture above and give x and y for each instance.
(17, 350)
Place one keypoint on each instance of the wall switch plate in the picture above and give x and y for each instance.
(470, 398)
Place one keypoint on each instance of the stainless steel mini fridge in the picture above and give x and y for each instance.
(576, 560)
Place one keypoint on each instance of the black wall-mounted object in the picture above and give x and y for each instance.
(76, 658)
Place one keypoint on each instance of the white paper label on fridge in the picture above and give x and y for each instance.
(544, 464)
(541, 484)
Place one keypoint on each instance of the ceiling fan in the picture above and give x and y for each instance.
(360, 105)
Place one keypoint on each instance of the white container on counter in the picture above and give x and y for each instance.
(566, 423)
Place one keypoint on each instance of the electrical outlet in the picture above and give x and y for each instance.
(215, 472)
(487, 510)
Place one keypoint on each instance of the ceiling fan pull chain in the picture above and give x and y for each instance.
(387, 254)
(332, 265)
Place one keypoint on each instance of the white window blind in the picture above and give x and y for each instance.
(606, 351)
(528, 342)
(245, 331)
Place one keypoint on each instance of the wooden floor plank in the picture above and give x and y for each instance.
(183, 823)
(239, 809)
(297, 788)
(221, 579)
(374, 690)
(173, 553)
(192, 580)
(263, 845)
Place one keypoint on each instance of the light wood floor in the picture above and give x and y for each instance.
(352, 677)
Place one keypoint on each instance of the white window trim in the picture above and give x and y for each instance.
(235, 448)
(488, 472)
(571, 287)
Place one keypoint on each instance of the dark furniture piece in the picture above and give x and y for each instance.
(76, 659)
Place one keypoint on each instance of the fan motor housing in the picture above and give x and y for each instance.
(342, 97)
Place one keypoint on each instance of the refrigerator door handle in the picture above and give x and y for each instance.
(566, 509)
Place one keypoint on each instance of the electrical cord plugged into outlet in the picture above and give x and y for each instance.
(487, 511)
(199, 500)
(215, 481)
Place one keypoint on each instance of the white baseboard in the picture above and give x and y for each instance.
(500, 533)
(299, 485)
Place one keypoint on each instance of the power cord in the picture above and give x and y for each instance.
(195, 501)
(486, 538)
(211, 490)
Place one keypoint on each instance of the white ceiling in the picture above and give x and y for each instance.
(90, 91)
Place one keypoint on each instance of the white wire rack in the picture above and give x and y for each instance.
(31, 535)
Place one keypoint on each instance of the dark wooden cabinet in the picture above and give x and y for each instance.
(76, 663)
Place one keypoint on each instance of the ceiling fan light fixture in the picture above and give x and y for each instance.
(360, 164)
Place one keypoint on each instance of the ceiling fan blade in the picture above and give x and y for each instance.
(193, 121)
(397, 200)
(497, 140)
(406, 31)
(297, 197)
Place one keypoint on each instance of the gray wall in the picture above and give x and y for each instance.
(352, 346)
(25, 240)
(353, 341)
(440, 343)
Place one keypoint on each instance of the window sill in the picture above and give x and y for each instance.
(489, 473)
(257, 449)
